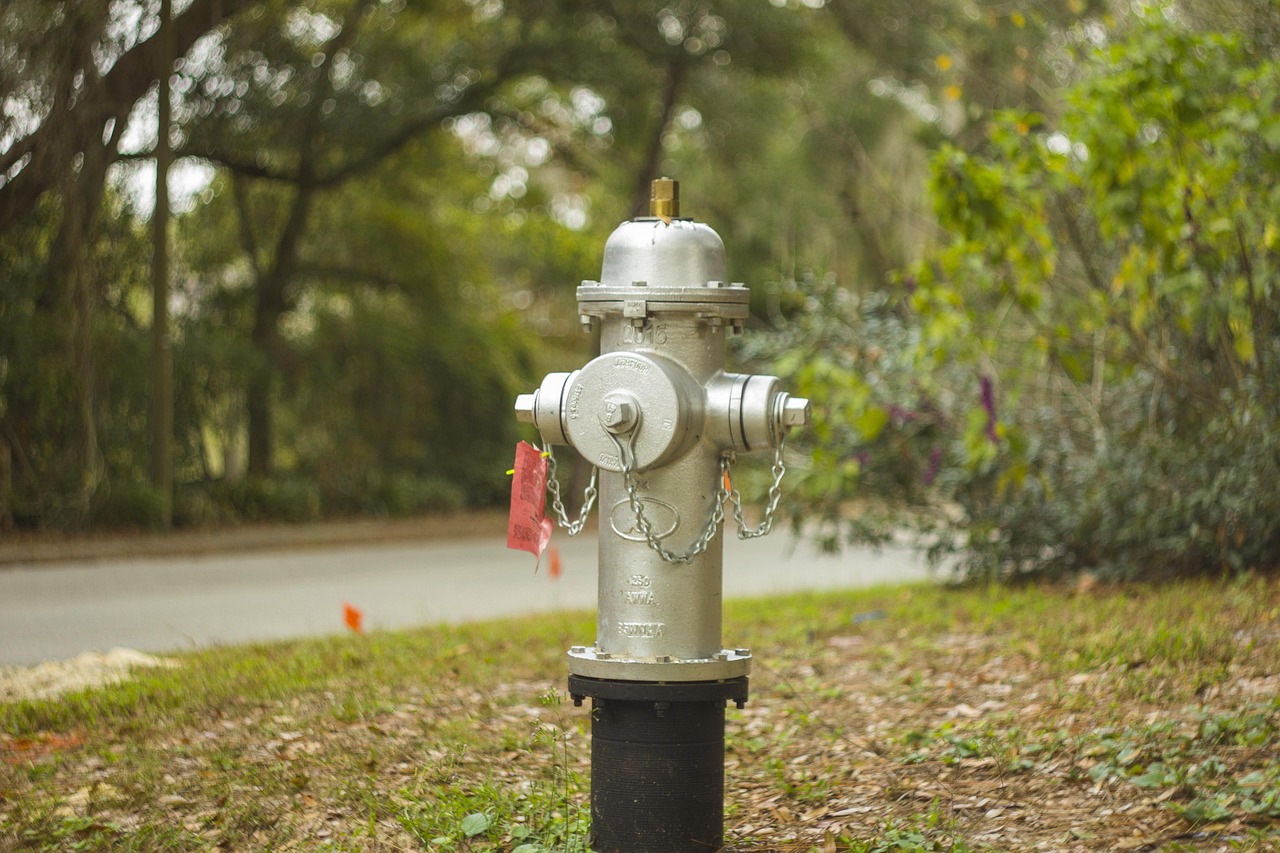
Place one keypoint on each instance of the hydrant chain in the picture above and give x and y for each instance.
(626, 453)
(588, 497)
(727, 493)
(775, 495)
(645, 526)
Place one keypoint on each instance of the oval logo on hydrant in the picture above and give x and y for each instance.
(662, 516)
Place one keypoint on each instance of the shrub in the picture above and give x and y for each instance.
(1085, 375)
(128, 504)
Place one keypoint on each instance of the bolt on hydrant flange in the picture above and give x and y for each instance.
(660, 419)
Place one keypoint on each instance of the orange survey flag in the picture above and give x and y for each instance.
(353, 617)
(554, 568)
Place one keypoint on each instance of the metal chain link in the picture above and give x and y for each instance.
(588, 497)
(725, 493)
(626, 455)
(775, 495)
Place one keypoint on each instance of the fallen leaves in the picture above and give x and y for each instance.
(1003, 772)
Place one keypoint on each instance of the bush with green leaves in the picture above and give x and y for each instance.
(1085, 373)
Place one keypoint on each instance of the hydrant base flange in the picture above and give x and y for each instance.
(589, 662)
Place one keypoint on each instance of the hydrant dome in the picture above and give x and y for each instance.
(657, 253)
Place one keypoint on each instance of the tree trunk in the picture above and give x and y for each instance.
(260, 395)
(875, 254)
(49, 419)
(161, 352)
(271, 305)
(80, 471)
(6, 484)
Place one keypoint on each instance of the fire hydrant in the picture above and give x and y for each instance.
(661, 420)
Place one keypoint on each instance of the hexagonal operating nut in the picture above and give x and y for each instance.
(619, 412)
(795, 412)
(525, 407)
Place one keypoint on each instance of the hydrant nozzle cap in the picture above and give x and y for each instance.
(664, 198)
(526, 408)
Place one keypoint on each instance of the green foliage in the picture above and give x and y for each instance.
(932, 832)
(375, 161)
(289, 499)
(881, 429)
(1160, 757)
(1188, 762)
(1084, 374)
(126, 504)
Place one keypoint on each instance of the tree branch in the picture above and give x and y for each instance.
(677, 70)
(357, 276)
(75, 125)
(247, 241)
(228, 161)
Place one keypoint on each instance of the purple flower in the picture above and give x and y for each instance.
(989, 403)
(935, 463)
(899, 415)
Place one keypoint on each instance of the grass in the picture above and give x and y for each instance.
(897, 719)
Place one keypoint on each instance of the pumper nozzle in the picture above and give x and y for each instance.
(664, 199)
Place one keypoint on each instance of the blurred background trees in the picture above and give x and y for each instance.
(1023, 259)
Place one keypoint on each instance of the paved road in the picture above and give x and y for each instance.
(56, 612)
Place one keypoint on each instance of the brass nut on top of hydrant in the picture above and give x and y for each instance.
(664, 199)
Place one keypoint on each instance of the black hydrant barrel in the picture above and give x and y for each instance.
(657, 764)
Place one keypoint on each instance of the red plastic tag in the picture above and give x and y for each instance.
(528, 528)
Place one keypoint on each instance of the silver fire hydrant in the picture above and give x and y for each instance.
(661, 420)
